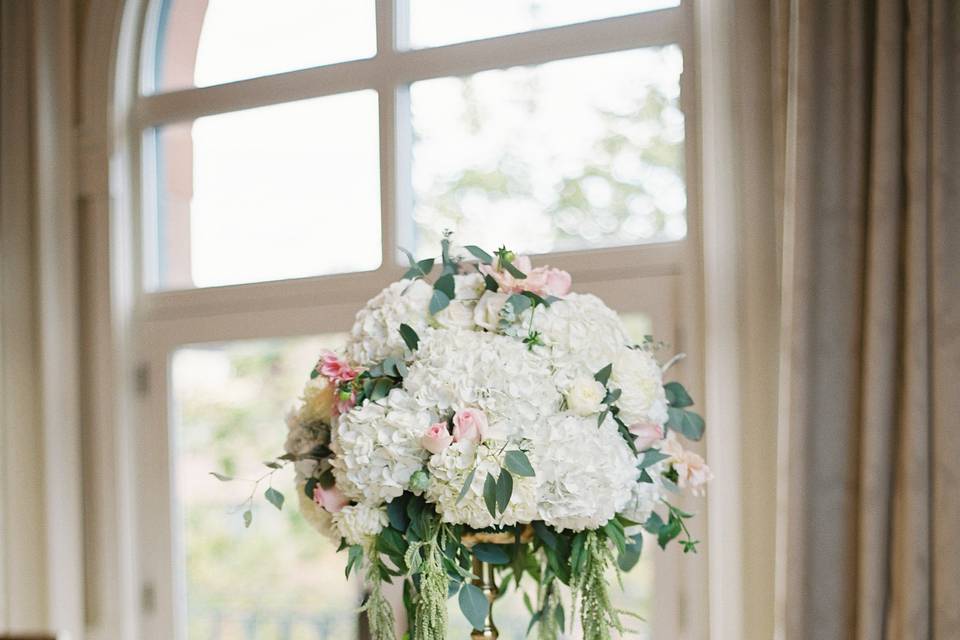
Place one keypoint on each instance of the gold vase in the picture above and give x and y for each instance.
(485, 579)
(486, 583)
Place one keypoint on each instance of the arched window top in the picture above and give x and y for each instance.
(199, 43)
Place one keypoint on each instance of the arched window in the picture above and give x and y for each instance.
(283, 150)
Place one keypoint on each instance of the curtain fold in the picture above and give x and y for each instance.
(870, 393)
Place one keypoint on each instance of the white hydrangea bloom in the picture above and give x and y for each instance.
(455, 369)
(377, 447)
(583, 472)
(376, 330)
(637, 374)
(450, 469)
(359, 522)
(644, 497)
(580, 336)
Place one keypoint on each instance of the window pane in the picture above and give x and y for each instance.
(279, 578)
(573, 154)
(439, 22)
(206, 42)
(262, 194)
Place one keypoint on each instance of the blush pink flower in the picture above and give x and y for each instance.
(437, 438)
(346, 400)
(647, 434)
(504, 279)
(691, 469)
(469, 425)
(335, 368)
(558, 283)
(330, 499)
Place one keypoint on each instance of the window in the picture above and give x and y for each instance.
(283, 152)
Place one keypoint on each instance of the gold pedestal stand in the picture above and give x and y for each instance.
(485, 576)
(485, 581)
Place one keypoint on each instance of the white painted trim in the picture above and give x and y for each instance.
(721, 288)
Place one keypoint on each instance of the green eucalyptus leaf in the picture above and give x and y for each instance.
(490, 494)
(467, 484)
(474, 605)
(651, 457)
(519, 302)
(543, 532)
(410, 337)
(512, 270)
(479, 254)
(490, 283)
(603, 376)
(677, 396)
(274, 497)
(447, 285)
(686, 422)
(504, 490)
(247, 518)
(653, 523)
(438, 302)
(519, 464)
(397, 514)
(491, 554)
(221, 477)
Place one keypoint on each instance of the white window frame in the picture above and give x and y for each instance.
(662, 279)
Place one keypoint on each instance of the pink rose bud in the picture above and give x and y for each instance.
(437, 438)
(469, 425)
(558, 283)
(330, 499)
(647, 434)
(335, 368)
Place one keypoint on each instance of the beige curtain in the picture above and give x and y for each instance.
(870, 394)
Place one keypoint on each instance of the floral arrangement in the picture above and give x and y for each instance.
(492, 400)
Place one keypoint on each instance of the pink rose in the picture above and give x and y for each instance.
(469, 425)
(335, 368)
(647, 434)
(558, 283)
(437, 438)
(330, 499)
(505, 280)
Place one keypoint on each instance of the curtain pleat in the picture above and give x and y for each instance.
(871, 389)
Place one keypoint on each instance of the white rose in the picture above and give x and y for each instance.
(487, 312)
(457, 315)
(585, 396)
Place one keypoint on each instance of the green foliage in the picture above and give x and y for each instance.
(519, 464)
(603, 376)
(474, 605)
(479, 254)
(677, 396)
(688, 423)
(410, 337)
(490, 494)
(589, 586)
(491, 553)
(504, 490)
(274, 497)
